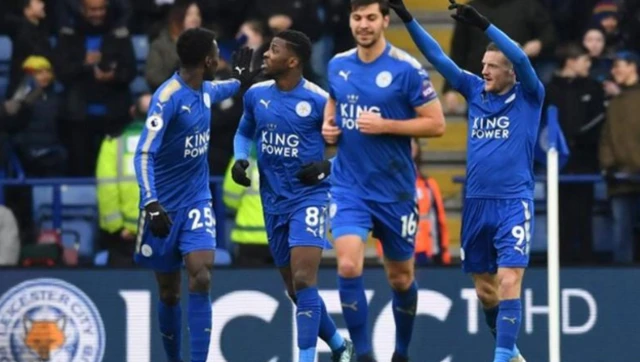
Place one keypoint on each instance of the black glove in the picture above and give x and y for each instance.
(159, 220)
(313, 173)
(239, 173)
(241, 67)
(468, 15)
(401, 10)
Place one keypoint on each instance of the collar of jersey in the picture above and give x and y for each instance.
(185, 85)
(387, 48)
(300, 84)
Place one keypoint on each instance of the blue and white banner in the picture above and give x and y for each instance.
(109, 315)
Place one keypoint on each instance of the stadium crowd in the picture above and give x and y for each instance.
(78, 84)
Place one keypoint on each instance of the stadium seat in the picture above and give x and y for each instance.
(141, 49)
(77, 201)
(222, 257)
(77, 232)
(101, 258)
(6, 49)
(138, 86)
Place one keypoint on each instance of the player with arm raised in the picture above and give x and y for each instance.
(497, 221)
(176, 221)
(380, 97)
(284, 117)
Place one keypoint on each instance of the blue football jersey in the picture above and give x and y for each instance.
(171, 160)
(502, 133)
(287, 129)
(376, 167)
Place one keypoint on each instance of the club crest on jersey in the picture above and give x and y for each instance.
(303, 109)
(207, 100)
(154, 123)
(384, 79)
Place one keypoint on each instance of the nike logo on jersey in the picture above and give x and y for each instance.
(510, 99)
(265, 103)
(186, 108)
(353, 306)
(344, 75)
(306, 313)
(511, 320)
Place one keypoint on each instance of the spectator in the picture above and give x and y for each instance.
(432, 237)
(162, 60)
(256, 32)
(72, 13)
(9, 238)
(580, 103)
(595, 42)
(37, 141)
(619, 145)
(30, 38)
(96, 67)
(525, 21)
(248, 232)
(606, 16)
(118, 191)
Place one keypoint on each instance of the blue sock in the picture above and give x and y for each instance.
(508, 326)
(404, 314)
(308, 322)
(355, 311)
(199, 325)
(170, 318)
(491, 316)
(328, 331)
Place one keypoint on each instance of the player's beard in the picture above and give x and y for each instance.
(375, 38)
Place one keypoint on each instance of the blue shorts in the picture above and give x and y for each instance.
(394, 224)
(495, 233)
(303, 227)
(193, 229)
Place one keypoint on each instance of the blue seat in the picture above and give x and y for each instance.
(101, 258)
(77, 232)
(222, 257)
(140, 47)
(77, 201)
(6, 49)
(138, 86)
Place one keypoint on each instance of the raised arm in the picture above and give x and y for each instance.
(521, 64)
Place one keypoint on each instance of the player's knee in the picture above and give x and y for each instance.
(487, 294)
(400, 279)
(348, 268)
(509, 282)
(169, 296)
(200, 281)
(303, 278)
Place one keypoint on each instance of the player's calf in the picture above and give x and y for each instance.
(509, 313)
(355, 310)
(199, 265)
(401, 277)
(170, 314)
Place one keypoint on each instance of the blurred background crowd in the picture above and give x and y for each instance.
(75, 84)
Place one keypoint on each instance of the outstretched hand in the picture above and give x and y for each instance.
(241, 67)
(468, 15)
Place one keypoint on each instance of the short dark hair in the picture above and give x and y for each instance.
(194, 45)
(570, 51)
(297, 42)
(384, 5)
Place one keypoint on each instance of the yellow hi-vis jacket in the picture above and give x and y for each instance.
(249, 228)
(118, 191)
